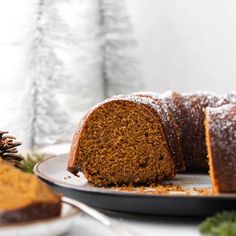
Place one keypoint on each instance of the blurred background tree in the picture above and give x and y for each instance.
(45, 122)
(80, 52)
(120, 71)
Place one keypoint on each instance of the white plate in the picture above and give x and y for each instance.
(49, 227)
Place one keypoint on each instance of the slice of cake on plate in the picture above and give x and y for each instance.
(23, 197)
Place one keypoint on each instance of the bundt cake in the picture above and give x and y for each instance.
(122, 141)
(143, 138)
(220, 129)
(25, 198)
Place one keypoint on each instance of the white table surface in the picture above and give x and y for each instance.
(139, 225)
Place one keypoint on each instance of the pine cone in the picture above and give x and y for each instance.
(8, 149)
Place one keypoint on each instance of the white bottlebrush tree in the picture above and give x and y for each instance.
(44, 120)
(119, 62)
(82, 85)
(81, 52)
(14, 23)
(99, 56)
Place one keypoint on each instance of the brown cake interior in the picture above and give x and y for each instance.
(123, 142)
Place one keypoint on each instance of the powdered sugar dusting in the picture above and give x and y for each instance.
(145, 93)
(166, 95)
(222, 122)
(140, 100)
(226, 99)
(136, 99)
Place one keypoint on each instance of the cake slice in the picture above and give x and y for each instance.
(23, 197)
(220, 124)
(122, 141)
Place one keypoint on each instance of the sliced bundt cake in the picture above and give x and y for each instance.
(220, 126)
(25, 198)
(147, 137)
(122, 141)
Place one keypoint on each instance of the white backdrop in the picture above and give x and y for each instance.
(186, 44)
(57, 59)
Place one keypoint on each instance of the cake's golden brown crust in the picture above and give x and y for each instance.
(220, 126)
(72, 164)
(209, 153)
(122, 141)
(25, 198)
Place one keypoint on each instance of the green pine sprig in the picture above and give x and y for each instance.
(221, 224)
(30, 161)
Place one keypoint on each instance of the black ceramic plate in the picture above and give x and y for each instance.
(147, 201)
